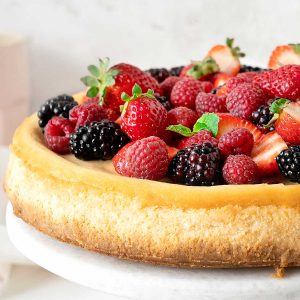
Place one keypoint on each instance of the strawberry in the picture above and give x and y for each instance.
(142, 114)
(228, 122)
(210, 103)
(172, 151)
(227, 57)
(110, 83)
(245, 99)
(284, 55)
(146, 158)
(185, 91)
(198, 138)
(220, 78)
(200, 70)
(283, 82)
(265, 151)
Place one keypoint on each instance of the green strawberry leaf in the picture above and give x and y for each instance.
(278, 105)
(209, 121)
(92, 92)
(136, 90)
(203, 67)
(125, 97)
(185, 131)
(296, 48)
(94, 70)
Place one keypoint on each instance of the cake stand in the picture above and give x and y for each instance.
(140, 281)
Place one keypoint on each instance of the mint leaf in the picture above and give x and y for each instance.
(278, 105)
(94, 70)
(209, 121)
(92, 92)
(185, 131)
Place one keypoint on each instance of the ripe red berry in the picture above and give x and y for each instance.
(185, 91)
(146, 159)
(57, 133)
(182, 115)
(210, 103)
(167, 85)
(236, 141)
(240, 169)
(198, 138)
(244, 99)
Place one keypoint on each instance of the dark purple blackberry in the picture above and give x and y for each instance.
(196, 165)
(98, 140)
(261, 117)
(57, 106)
(246, 68)
(164, 101)
(288, 162)
(160, 74)
(175, 71)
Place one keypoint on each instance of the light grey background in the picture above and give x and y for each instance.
(65, 36)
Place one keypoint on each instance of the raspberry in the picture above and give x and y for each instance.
(182, 115)
(244, 99)
(198, 138)
(146, 159)
(247, 76)
(185, 91)
(207, 86)
(240, 169)
(210, 103)
(196, 165)
(57, 133)
(167, 86)
(98, 140)
(236, 141)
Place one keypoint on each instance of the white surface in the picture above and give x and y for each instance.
(140, 281)
(65, 36)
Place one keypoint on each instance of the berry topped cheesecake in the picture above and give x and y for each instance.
(193, 166)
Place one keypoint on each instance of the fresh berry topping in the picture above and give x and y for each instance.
(182, 115)
(167, 85)
(289, 163)
(57, 133)
(175, 71)
(265, 151)
(98, 140)
(228, 122)
(245, 99)
(285, 55)
(227, 57)
(220, 78)
(164, 101)
(172, 151)
(160, 74)
(196, 165)
(210, 103)
(283, 82)
(142, 115)
(198, 138)
(240, 169)
(246, 68)
(57, 106)
(185, 91)
(261, 118)
(236, 141)
(247, 76)
(200, 70)
(146, 159)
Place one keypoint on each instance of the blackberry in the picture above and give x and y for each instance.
(289, 163)
(98, 140)
(261, 117)
(57, 106)
(160, 74)
(246, 68)
(198, 164)
(164, 101)
(175, 71)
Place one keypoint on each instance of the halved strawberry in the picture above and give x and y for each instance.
(227, 57)
(265, 151)
(220, 78)
(284, 55)
(228, 122)
(172, 151)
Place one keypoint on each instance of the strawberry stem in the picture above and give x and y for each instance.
(236, 51)
(202, 68)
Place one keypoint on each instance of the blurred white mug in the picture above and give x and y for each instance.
(14, 84)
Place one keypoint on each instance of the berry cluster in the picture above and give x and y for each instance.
(212, 121)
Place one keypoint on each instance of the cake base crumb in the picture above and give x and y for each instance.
(279, 273)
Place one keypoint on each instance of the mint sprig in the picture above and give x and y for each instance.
(276, 108)
(208, 121)
(99, 79)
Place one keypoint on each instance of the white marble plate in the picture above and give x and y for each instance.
(141, 281)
